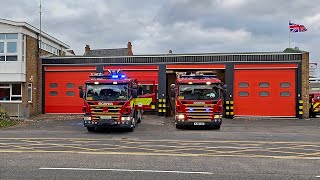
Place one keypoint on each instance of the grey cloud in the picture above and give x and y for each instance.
(185, 26)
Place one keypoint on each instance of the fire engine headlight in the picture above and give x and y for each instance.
(181, 116)
(125, 118)
(87, 118)
(217, 116)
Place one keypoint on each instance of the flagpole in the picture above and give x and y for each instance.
(289, 35)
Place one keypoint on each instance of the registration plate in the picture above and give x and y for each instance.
(105, 117)
(198, 123)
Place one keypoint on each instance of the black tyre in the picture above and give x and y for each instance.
(179, 126)
(216, 127)
(91, 129)
(131, 129)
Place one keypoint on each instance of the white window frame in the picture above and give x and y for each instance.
(29, 87)
(5, 41)
(11, 95)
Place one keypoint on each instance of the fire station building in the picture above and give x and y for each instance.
(269, 84)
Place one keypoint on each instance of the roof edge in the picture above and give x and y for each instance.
(34, 29)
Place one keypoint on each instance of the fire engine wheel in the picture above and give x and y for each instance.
(179, 126)
(131, 129)
(216, 127)
(91, 129)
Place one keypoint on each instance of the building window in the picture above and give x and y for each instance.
(285, 85)
(70, 85)
(23, 47)
(10, 92)
(1, 47)
(12, 47)
(264, 85)
(243, 94)
(53, 85)
(264, 94)
(53, 93)
(70, 93)
(12, 36)
(30, 92)
(8, 47)
(243, 85)
(285, 94)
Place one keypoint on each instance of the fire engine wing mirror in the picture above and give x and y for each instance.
(173, 92)
(134, 91)
(224, 87)
(81, 93)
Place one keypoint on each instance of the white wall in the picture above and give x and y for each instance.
(13, 71)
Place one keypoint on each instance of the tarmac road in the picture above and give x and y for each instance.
(241, 149)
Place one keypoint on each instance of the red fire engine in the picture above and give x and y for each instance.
(314, 98)
(199, 100)
(109, 101)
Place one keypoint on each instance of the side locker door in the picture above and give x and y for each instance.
(146, 95)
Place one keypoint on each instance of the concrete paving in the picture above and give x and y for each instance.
(59, 148)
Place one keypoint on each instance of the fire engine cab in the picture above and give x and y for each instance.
(198, 100)
(314, 97)
(109, 101)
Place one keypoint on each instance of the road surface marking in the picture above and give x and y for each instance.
(163, 154)
(174, 141)
(129, 170)
(317, 176)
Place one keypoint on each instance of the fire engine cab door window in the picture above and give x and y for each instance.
(199, 92)
(107, 92)
(146, 87)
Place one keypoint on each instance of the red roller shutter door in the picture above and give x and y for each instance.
(265, 91)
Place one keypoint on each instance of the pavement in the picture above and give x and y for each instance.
(59, 147)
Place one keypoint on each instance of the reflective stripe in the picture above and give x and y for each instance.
(227, 113)
(300, 112)
(231, 113)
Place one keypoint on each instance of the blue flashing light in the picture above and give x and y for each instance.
(123, 76)
(114, 76)
(190, 109)
(207, 109)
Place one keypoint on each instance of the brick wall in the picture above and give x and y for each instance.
(305, 83)
(34, 76)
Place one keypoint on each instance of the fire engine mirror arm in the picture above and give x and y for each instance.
(81, 93)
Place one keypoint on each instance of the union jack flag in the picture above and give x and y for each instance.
(296, 27)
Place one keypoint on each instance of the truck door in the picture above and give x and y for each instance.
(147, 91)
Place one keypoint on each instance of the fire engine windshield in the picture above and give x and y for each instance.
(107, 92)
(199, 92)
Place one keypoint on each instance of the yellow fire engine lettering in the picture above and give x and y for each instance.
(180, 97)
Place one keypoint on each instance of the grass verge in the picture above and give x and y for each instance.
(7, 123)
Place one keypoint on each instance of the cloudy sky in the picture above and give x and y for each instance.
(185, 26)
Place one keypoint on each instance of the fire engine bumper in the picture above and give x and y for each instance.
(216, 122)
(108, 124)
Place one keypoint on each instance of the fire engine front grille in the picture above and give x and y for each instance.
(105, 111)
(199, 112)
